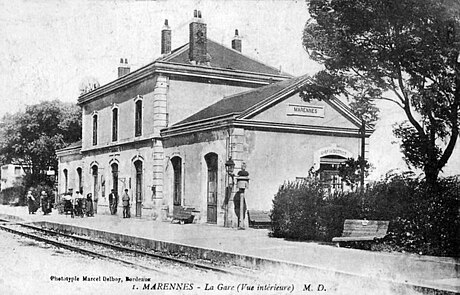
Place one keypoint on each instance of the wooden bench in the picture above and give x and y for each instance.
(355, 230)
(259, 219)
(183, 215)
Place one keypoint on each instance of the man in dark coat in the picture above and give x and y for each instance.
(89, 205)
(113, 202)
(46, 204)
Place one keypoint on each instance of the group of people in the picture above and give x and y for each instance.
(44, 202)
(113, 203)
(78, 205)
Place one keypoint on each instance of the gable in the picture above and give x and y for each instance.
(293, 110)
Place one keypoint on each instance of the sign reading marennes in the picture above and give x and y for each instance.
(305, 110)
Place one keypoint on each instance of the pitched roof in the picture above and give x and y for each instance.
(238, 103)
(222, 57)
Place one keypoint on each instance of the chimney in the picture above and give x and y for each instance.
(166, 38)
(236, 42)
(197, 43)
(123, 68)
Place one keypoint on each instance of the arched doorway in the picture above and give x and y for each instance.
(80, 187)
(211, 162)
(177, 181)
(94, 173)
(138, 188)
(115, 177)
(329, 172)
(66, 181)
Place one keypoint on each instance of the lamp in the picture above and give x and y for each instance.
(229, 166)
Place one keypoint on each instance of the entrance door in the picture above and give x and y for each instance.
(177, 182)
(115, 177)
(138, 166)
(211, 161)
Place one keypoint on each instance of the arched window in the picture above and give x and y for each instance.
(94, 129)
(66, 180)
(138, 118)
(177, 180)
(115, 124)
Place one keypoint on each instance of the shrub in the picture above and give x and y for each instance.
(422, 220)
(13, 195)
(302, 210)
(295, 209)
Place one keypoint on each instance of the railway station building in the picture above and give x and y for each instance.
(166, 131)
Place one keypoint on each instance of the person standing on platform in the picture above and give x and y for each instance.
(89, 205)
(45, 202)
(31, 202)
(125, 201)
(113, 202)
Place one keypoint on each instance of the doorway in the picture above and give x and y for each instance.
(177, 181)
(211, 162)
(138, 167)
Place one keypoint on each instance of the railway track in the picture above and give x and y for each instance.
(132, 257)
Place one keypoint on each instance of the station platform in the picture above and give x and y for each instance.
(433, 273)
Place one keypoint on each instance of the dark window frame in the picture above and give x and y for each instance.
(95, 119)
(115, 124)
(138, 118)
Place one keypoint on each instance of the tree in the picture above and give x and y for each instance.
(350, 170)
(32, 137)
(403, 51)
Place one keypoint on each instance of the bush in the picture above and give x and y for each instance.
(302, 211)
(422, 220)
(17, 194)
(13, 195)
(295, 207)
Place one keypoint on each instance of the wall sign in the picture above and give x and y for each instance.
(305, 110)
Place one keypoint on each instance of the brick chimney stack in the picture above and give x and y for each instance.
(123, 68)
(236, 42)
(198, 40)
(166, 38)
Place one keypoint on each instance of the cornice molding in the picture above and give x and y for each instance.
(162, 67)
(261, 125)
(117, 145)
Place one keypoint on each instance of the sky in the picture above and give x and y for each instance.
(49, 47)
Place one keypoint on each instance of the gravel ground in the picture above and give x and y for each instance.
(27, 267)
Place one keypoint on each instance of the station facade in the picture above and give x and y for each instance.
(166, 130)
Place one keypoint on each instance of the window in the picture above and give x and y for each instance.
(115, 124)
(95, 130)
(138, 119)
(17, 170)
